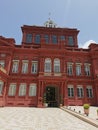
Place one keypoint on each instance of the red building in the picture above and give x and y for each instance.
(48, 67)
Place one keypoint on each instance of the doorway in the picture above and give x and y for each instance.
(52, 96)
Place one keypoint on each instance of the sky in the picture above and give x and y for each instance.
(80, 14)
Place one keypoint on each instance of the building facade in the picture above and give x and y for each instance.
(48, 67)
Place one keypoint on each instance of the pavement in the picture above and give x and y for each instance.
(30, 118)
(78, 112)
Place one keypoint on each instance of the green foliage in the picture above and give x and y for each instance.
(86, 106)
(97, 110)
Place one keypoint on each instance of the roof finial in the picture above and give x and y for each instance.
(49, 15)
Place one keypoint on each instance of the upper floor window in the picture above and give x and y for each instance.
(25, 66)
(22, 89)
(12, 89)
(70, 90)
(32, 89)
(69, 68)
(87, 69)
(78, 69)
(70, 41)
(54, 39)
(80, 91)
(34, 67)
(56, 65)
(89, 91)
(37, 39)
(62, 37)
(29, 38)
(15, 66)
(2, 63)
(46, 38)
(1, 87)
(47, 67)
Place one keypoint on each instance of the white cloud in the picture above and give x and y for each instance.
(86, 44)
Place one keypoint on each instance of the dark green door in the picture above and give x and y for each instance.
(52, 96)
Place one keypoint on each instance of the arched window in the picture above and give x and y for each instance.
(47, 67)
(56, 65)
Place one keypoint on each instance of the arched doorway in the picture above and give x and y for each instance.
(52, 96)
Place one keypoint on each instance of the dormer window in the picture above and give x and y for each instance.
(62, 37)
(37, 39)
(54, 39)
(70, 41)
(28, 38)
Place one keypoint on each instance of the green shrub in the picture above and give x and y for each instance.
(97, 110)
(86, 106)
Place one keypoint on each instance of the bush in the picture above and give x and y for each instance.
(86, 106)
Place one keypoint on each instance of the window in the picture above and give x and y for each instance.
(37, 39)
(80, 91)
(12, 89)
(54, 39)
(34, 68)
(69, 68)
(29, 38)
(70, 41)
(70, 90)
(32, 90)
(78, 69)
(47, 65)
(15, 66)
(56, 65)
(24, 66)
(87, 69)
(46, 38)
(22, 89)
(1, 87)
(62, 38)
(89, 91)
(2, 63)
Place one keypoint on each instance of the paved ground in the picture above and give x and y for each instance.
(92, 111)
(24, 118)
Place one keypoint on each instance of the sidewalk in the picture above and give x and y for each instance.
(78, 112)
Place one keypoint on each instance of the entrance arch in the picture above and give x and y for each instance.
(52, 96)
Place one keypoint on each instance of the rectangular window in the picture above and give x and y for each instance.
(24, 66)
(22, 89)
(70, 91)
(70, 41)
(78, 69)
(34, 68)
(37, 39)
(32, 90)
(79, 91)
(70, 68)
(15, 66)
(12, 89)
(54, 39)
(2, 63)
(56, 65)
(46, 38)
(62, 38)
(89, 91)
(1, 87)
(87, 69)
(29, 38)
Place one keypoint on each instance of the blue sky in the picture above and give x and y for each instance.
(80, 14)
